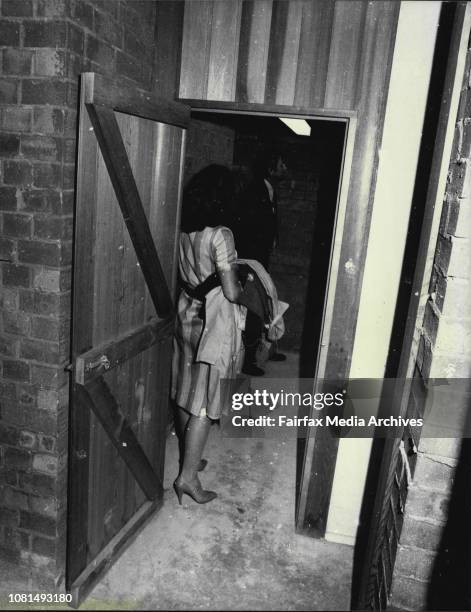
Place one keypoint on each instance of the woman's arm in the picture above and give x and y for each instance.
(225, 256)
(230, 283)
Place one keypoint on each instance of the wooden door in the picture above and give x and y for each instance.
(131, 151)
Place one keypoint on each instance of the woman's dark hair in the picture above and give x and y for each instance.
(208, 199)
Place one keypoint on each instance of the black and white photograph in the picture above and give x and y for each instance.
(235, 296)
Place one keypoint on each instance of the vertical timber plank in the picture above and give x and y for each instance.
(253, 50)
(347, 35)
(77, 549)
(224, 47)
(286, 84)
(195, 49)
(168, 37)
(314, 48)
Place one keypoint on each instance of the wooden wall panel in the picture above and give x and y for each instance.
(314, 46)
(286, 81)
(345, 47)
(253, 50)
(225, 32)
(196, 45)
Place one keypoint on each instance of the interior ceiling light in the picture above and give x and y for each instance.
(299, 126)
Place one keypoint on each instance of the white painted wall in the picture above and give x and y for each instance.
(408, 88)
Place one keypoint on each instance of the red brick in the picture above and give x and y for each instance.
(8, 90)
(27, 396)
(17, 8)
(133, 46)
(75, 38)
(72, 94)
(16, 119)
(8, 346)
(83, 13)
(108, 7)
(40, 302)
(8, 517)
(70, 124)
(44, 547)
(40, 200)
(38, 523)
(28, 440)
(9, 145)
(48, 120)
(35, 252)
(46, 443)
(38, 484)
(126, 66)
(41, 148)
(17, 61)
(16, 323)
(108, 29)
(7, 390)
(47, 329)
(48, 377)
(47, 175)
(52, 8)
(15, 540)
(9, 33)
(16, 370)
(68, 176)
(69, 151)
(8, 477)
(16, 276)
(45, 34)
(44, 92)
(9, 435)
(434, 474)
(99, 52)
(18, 226)
(7, 249)
(10, 299)
(49, 62)
(38, 350)
(17, 173)
(47, 280)
(45, 463)
(19, 459)
(409, 594)
(46, 506)
(15, 500)
(7, 198)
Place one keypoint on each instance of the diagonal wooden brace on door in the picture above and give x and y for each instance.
(98, 398)
(119, 169)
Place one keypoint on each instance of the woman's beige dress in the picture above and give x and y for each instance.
(210, 349)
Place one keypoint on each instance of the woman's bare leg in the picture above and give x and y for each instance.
(196, 434)
(181, 421)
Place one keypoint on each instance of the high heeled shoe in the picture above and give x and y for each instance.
(194, 490)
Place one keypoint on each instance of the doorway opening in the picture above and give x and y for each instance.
(310, 185)
(307, 188)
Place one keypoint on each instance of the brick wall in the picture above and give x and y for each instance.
(444, 352)
(416, 553)
(44, 45)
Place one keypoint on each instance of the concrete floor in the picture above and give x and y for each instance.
(239, 552)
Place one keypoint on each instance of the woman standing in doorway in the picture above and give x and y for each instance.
(208, 344)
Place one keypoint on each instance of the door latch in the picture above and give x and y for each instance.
(101, 361)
